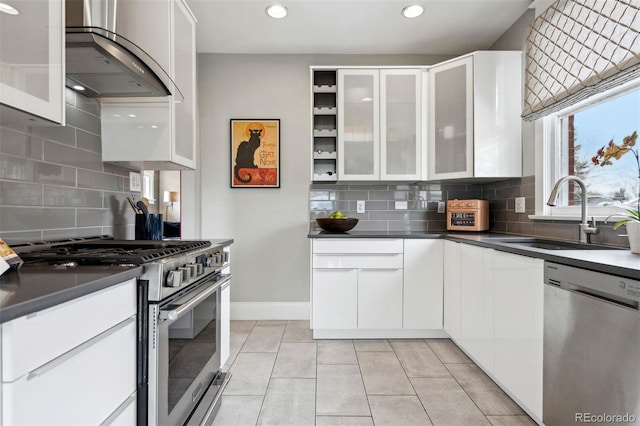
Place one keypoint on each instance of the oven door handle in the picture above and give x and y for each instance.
(174, 314)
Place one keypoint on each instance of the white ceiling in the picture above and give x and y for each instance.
(448, 27)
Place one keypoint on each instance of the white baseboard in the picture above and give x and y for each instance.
(270, 310)
(379, 334)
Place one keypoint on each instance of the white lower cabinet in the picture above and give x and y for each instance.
(476, 303)
(422, 286)
(518, 327)
(451, 279)
(335, 299)
(376, 288)
(380, 298)
(77, 360)
(493, 310)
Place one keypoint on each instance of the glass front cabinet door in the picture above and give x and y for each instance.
(31, 58)
(451, 120)
(358, 124)
(380, 125)
(401, 139)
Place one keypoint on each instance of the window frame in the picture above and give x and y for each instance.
(548, 139)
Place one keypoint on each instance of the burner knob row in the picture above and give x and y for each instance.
(184, 274)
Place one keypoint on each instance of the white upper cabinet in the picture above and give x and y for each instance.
(475, 129)
(358, 124)
(157, 133)
(401, 141)
(32, 60)
(379, 124)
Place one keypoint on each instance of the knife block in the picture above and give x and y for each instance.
(149, 227)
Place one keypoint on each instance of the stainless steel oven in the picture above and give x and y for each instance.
(184, 353)
(182, 297)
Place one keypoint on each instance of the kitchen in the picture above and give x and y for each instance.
(237, 85)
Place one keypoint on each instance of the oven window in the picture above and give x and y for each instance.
(192, 343)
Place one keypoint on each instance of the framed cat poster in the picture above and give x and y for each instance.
(255, 153)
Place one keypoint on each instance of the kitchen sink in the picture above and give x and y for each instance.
(551, 244)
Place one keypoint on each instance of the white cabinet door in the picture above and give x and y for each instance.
(31, 59)
(380, 298)
(497, 125)
(518, 319)
(358, 124)
(401, 139)
(335, 298)
(156, 133)
(451, 119)
(476, 304)
(79, 388)
(451, 278)
(422, 284)
(183, 148)
(475, 129)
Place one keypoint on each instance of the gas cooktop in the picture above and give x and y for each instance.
(105, 251)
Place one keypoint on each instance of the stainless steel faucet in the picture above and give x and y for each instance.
(585, 229)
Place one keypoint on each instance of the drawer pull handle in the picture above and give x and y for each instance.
(73, 352)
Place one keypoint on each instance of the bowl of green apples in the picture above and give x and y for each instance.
(337, 222)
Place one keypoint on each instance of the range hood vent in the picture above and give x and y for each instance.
(105, 64)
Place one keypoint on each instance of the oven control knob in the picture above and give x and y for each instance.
(186, 274)
(200, 268)
(209, 262)
(174, 278)
(193, 270)
(470, 204)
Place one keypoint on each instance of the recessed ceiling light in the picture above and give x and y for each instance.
(77, 87)
(276, 11)
(367, 99)
(412, 11)
(132, 115)
(9, 10)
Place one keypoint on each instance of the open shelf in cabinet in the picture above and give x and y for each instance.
(325, 113)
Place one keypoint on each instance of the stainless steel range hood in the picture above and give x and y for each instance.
(104, 63)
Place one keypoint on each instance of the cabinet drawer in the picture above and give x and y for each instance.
(358, 245)
(33, 340)
(82, 389)
(368, 261)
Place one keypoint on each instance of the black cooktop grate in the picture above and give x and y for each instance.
(134, 252)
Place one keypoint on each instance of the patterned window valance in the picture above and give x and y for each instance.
(578, 48)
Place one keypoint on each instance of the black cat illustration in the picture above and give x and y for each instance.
(245, 155)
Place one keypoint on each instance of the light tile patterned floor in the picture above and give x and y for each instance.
(281, 376)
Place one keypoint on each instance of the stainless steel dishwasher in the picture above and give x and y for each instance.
(591, 348)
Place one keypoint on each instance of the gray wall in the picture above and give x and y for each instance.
(270, 226)
(53, 184)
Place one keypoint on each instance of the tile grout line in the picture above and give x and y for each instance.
(411, 383)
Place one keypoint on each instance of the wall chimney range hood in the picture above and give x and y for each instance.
(100, 63)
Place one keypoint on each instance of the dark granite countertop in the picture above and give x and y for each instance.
(617, 262)
(33, 288)
(373, 234)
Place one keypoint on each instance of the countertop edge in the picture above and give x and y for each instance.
(54, 299)
(570, 258)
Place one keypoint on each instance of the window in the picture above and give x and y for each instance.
(148, 185)
(575, 136)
